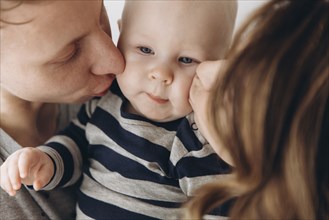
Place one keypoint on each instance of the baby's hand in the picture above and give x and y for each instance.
(29, 166)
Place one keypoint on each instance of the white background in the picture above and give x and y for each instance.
(114, 9)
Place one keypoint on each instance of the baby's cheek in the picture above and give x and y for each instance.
(179, 97)
(181, 108)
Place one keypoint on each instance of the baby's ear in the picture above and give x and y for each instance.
(119, 24)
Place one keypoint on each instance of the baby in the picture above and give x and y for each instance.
(137, 148)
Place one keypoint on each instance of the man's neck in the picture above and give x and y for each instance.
(29, 123)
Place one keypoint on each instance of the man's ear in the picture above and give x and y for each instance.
(119, 24)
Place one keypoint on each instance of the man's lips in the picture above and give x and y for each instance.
(110, 79)
(157, 99)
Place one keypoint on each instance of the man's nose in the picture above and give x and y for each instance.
(107, 58)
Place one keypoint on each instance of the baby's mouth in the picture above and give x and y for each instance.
(157, 99)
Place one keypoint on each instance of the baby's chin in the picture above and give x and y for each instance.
(159, 113)
(156, 118)
(161, 117)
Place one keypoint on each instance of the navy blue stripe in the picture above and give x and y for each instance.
(209, 165)
(115, 89)
(78, 135)
(100, 210)
(127, 167)
(134, 144)
(82, 115)
(67, 159)
(188, 137)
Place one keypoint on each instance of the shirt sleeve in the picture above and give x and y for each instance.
(68, 149)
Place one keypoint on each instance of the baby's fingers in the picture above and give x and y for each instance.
(5, 181)
(28, 163)
(36, 168)
(13, 174)
(43, 176)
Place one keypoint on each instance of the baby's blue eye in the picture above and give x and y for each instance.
(185, 60)
(146, 50)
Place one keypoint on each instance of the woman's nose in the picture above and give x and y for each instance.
(162, 74)
(107, 59)
(210, 71)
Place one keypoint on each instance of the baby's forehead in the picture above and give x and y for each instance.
(199, 13)
(214, 8)
(196, 22)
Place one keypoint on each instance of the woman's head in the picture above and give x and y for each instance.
(270, 112)
(56, 51)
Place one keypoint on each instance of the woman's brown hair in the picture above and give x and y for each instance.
(271, 112)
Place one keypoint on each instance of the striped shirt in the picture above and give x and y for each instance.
(131, 167)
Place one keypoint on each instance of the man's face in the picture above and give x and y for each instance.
(63, 53)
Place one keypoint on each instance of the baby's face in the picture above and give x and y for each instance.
(163, 42)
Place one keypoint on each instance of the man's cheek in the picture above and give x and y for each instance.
(104, 21)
